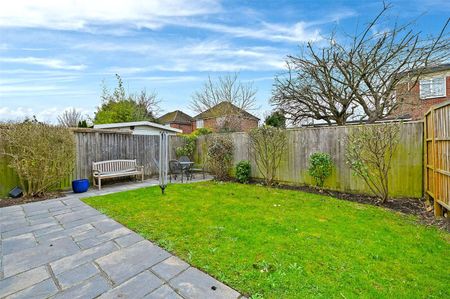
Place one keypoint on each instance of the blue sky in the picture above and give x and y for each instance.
(54, 54)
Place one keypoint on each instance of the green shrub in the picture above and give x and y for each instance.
(320, 166)
(243, 171)
(190, 140)
(42, 155)
(220, 156)
(268, 145)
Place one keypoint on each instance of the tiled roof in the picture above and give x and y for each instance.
(177, 117)
(223, 109)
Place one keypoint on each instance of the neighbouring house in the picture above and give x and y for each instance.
(179, 120)
(433, 87)
(140, 128)
(226, 117)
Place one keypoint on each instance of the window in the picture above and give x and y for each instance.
(200, 123)
(432, 88)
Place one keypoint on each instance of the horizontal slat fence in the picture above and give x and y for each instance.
(407, 165)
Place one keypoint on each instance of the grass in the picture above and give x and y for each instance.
(287, 244)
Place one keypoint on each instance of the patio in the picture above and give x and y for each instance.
(65, 249)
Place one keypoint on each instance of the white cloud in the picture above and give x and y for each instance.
(80, 14)
(46, 62)
(297, 33)
(208, 56)
(49, 114)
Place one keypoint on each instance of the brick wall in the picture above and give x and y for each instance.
(187, 129)
(413, 104)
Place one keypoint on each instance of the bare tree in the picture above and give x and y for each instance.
(268, 144)
(70, 118)
(230, 98)
(369, 151)
(357, 74)
(225, 89)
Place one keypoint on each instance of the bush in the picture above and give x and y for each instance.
(243, 171)
(369, 151)
(42, 155)
(320, 166)
(190, 141)
(268, 144)
(220, 156)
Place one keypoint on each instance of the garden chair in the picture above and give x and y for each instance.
(175, 169)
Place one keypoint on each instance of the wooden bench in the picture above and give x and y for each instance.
(115, 168)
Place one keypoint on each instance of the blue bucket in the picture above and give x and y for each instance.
(80, 186)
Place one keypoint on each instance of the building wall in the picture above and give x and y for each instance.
(187, 128)
(413, 104)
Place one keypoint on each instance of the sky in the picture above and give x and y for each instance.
(56, 54)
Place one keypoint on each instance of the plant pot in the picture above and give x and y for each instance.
(80, 186)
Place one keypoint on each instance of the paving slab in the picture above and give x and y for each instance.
(62, 248)
(127, 262)
(37, 256)
(170, 267)
(22, 281)
(18, 243)
(194, 283)
(77, 275)
(163, 292)
(43, 289)
(136, 287)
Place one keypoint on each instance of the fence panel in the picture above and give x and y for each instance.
(405, 176)
(437, 156)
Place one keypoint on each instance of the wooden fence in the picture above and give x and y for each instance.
(98, 145)
(437, 156)
(407, 166)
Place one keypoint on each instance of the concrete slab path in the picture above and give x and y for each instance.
(63, 248)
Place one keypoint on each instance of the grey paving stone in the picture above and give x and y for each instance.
(42, 220)
(84, 221)
(18, 243)
(43, 289)
(128, 240)
(72, 202)
(193, 283)
(136, 287)
(92, 233)
(127, 262)
(91, 288)
(70, 217)
(61, 211)
(64, 233)
(170, 267)
(76, 275)
(91, 242)
(22, 281)
(82, 257)
(25, 229)
(163, 292)
(13, 224)
(42, 215)
(37, 256)
(106, 225)
(51, 229)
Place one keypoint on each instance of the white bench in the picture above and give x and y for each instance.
(115, 168)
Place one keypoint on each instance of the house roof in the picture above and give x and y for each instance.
(177, 117)
(223, 109)
(428, 70)
(137, 123)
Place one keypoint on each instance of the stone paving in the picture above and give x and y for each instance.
(63, 248)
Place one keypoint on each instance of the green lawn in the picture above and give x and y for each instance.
(286, 244)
